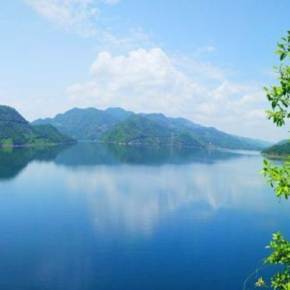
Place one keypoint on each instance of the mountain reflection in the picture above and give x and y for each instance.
(87, 154)
(13, 161)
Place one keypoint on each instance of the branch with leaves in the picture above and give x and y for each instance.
(279, 175)
(279, 95)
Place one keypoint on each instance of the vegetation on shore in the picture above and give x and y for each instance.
(280, 150)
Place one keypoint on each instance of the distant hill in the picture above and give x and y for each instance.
(86, 124)
(281, 149)
(208, 136)
(140, 130)
(119, 126)
(16, 131)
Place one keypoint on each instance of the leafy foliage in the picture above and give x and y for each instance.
(279, 176)
(280, 256)
(279, 95)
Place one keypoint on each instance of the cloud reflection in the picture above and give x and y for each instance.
(136, 198)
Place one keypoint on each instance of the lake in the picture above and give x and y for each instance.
(92, 217)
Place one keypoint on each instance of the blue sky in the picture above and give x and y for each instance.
(203, 60)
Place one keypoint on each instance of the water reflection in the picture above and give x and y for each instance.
(97, 217)
(136, 199)
(160, 182)
(14, 160)
(88, 154)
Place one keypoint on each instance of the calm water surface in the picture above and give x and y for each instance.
(88, 217)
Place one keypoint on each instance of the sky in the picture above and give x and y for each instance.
(205, 60)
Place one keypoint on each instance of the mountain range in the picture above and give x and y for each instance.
(16, 131)
(118, 126)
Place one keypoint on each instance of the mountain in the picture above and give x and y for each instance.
(281, 149)
(86, 124)
(140, 130)
(16, 131)
(116, 125)
(209, 136)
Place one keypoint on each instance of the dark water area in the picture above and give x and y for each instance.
(88, 217)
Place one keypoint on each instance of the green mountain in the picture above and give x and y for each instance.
(86, 124)
(281, 149)
(16, 131)
(139, 130)
(116, 125)
(209, 136)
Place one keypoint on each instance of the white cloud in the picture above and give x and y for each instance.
(152, 81)
(75, 15)
(84, 17)
(144, 80)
